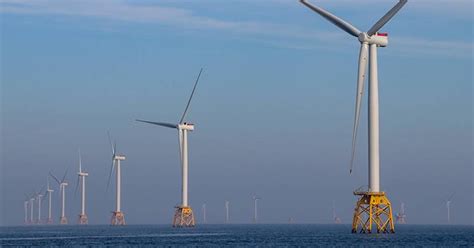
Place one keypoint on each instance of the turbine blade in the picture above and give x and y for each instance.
(364, 50)
(111, 144)
(56, 179)
(334, 19)
(189, 101)
(65, 173)
(80, 161)
(77, 185)
(163, 124)
(110, 175)
(380, 23)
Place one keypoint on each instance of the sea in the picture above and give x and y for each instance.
(233, 235)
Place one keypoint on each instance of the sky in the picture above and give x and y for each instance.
(273, 110)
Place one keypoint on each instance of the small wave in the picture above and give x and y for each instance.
(116, 236)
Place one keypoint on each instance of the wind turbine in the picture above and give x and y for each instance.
(32, 204)
(49, 192)
(81, 179)
(366, 208)
(25, 205)
(227, 212)
(401, 216)
(62, 190)
(336, 219)
(118, 217)
(448, 207)
(183, 216)
(255, 212)
(39, 196)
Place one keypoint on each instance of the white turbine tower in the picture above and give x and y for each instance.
(39, 196)
(32, 204)
(49, 192)
(81, 179)
(255, 210)
(227, 212)
(25, 205)
(118, 217)
(448, 208)
(62, 191)
(184, 216)
(369, 41)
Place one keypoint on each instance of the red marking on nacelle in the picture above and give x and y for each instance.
(382, 34)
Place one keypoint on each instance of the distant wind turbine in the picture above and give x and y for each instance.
(118, 217)
(81, 179)
(49, 192)
(62, 191)
(255, 212)
(448, 207)
(227, 212)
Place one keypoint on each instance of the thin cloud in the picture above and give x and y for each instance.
(295, 37)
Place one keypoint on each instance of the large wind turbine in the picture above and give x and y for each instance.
(369, 41)
(184, 216)
(81, 179)
(49, 192)
(118, 217)
(62, 190)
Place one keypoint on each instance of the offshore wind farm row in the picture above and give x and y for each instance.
(373, 211)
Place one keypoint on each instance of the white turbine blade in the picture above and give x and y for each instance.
(163, 124)
(77, 185)
(110, 175)
(57, 180)
(364, 50)
(334, 19)
(380, 23)
(64, 177)
(80, 161)
(191, 97)
(111, 144)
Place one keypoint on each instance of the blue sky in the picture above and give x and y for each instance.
(273, 110)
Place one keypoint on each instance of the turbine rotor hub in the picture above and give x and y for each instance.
(379, 39)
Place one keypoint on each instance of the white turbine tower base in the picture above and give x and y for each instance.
(373, 207)
(183, 216)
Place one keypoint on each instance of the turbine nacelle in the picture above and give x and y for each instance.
(186, 126)
(379, 39)
(64, 184)
(119, 157)
(83, 174)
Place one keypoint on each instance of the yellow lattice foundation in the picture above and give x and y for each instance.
(83, 219)
(372, 209)
(183, 217)
(63, 220)
(118, 219)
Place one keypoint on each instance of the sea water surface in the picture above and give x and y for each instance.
(289, 235)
